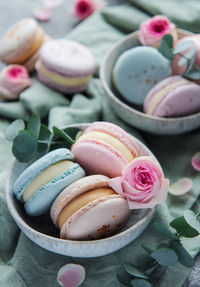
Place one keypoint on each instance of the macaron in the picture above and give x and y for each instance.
(89, 209)
(42, 181)
(66, 66)
(138, 70)
(20, 44)
(173, 97)
(105, 148)
(193, 41)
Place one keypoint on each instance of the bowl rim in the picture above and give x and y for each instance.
(123, 104)
(24, 226)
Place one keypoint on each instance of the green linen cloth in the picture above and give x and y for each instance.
(23, 263)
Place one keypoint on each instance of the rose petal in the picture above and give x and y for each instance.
(71, 275)
(196, 161)
(180, 187)
(42, 14)
(115, 183)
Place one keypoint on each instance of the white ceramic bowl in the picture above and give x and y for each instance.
(42, 231)
(134, 117)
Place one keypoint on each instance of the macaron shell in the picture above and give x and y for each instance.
(37, 167)
(137, 71)
(42, 199)
(97, 157)
(116, 132)
(18, 40)
(98, 219)
(75, 189)
(67, 57)
(182, 101)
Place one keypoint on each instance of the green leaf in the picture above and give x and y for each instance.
(63, 135)
(34, 125)
(166, 47)
(124, 277)
(192, 220)
(160, 228)
(148, 247)
(191, 54)
(151, 269)
(140, 283)
(192, 75)
(182, 62)
(72, 132)
(44, 139)
(183, 256)
(182, 47)
(165, 256)
(183, 228)
(24, 146)
(13, 129)
(133, 270)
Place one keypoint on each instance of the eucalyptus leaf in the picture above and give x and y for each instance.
(44, 138)
(151, 269)
(72, 132)
(140, 283)
(13, 129)
(34, 125)
(63, 135)
(165, 256)
(192, 75)
(148, 247)
(192, 220)
(133, 270)
(24, 146)
(182, 62)
(160, 228)
(124, 277)
(183, 256)
(183, 46)
(183, 228)
(166, 47)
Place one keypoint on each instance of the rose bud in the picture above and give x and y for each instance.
(142, 183)
(13, 80)
(84, 8)
(152, 30)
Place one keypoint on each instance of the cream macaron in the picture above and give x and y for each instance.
(89, 209)
(21, 43)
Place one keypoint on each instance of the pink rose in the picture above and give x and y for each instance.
(152, 30)
(13, 80)
(84, 8)
(142, 183)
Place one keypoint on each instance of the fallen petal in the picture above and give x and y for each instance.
(42, 14)
(71, 275)
(180, 187)
(195, 161)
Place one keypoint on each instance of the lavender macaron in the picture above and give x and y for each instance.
(173, 97)
(66, 66)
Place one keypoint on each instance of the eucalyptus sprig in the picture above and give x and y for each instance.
(161, 257)
(192, 71)
(35, 137)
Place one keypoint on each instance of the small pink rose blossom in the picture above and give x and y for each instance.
(152, 30)
(84, 8)
(71, 275)
(195, 161)
(13, 80)
(142, 183)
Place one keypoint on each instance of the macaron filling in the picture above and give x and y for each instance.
(161, 94)
(81, 201)
(115, 143)
(45, 177)
(60, 79)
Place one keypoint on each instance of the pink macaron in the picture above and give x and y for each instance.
(173, 97)
(105, 148)
(89, 209)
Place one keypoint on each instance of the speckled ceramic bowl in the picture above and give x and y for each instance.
(42, 231)
(134, 117)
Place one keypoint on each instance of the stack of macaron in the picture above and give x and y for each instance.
(145, 78)
(65, 65)
(74, 192)
(21, 43)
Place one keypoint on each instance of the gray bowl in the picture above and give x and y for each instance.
(132, 116)
(42, 231)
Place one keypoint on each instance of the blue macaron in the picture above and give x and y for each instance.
(42, 181)
(137, 71)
